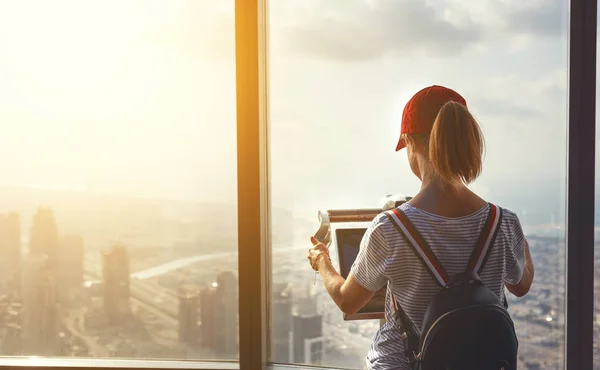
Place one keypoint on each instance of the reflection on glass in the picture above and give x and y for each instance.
(340, 74)
(117, 194)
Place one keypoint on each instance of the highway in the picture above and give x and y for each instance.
(146, 298)
(167, 267)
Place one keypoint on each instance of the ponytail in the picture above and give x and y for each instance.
(456, 144)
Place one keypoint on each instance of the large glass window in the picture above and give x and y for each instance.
(118, 179)
(340, 74)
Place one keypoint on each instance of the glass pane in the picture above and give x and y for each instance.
(118, 185)
(340, 76)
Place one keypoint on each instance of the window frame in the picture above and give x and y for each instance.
(581, 183)
(253, 195)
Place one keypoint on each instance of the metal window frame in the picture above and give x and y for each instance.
(581, 184)
(57, 363)
(253, 195)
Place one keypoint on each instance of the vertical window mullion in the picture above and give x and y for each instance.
(252, 201)
(580, 184)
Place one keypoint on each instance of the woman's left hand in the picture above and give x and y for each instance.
(316, 253)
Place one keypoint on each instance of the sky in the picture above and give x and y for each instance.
(138, 97)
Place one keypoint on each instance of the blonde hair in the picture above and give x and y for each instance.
(455, 146)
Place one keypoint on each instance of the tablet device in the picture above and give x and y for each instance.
(348, 245)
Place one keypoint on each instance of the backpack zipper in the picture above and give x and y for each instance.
(420, 355)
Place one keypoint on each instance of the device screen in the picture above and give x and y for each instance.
(348, 245)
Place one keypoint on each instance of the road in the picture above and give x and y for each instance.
(167, 267)
(145, 298)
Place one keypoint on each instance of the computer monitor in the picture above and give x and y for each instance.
(348, 245)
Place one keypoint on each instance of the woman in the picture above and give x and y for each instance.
(445, 145)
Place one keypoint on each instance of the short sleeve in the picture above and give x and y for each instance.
(369, 268)
(514, 251)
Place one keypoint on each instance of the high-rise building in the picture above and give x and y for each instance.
(228, 297)
(115, 283)
(307, 339)
(308, 343)
(208, 317)
(218, 316)
(40, 309)
(44, 237)
(281, 323)
(13, 237)
(4, 263)
(70, 262)
(10, 247)
(189, 314)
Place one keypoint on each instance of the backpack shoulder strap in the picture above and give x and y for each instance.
(418, 245)
(486, 239)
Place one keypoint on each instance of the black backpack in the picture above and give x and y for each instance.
(465, 326)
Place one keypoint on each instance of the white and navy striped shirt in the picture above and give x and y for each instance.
(386, 257)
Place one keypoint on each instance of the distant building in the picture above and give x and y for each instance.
(115, 283)
(40, 308)
(189, 314)
(70, 262)
(44, 239)
(209, 311)
(308, 342)
(218, 316)
(281, 323)
(228, 295)
(10, 247)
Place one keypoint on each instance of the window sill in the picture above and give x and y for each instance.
(298, 366)
(75, 363)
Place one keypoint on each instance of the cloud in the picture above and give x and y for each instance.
(361, 30)
(545, 18)
(358, 30)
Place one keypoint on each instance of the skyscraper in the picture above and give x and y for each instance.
(228, 298)
(70, 262)
(218, 316)
(308, 341)
(44, 237)
(115, 283)
(38, 285)
(281, 323)
(13, 237)
(208, 317)
(10, 247)
(189, 311)
(40, 308)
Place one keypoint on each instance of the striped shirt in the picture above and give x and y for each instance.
(386, 257)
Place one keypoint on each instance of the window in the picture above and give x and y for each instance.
(340, 74)
(118, 186)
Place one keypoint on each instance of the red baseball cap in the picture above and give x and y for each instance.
(422, 109)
